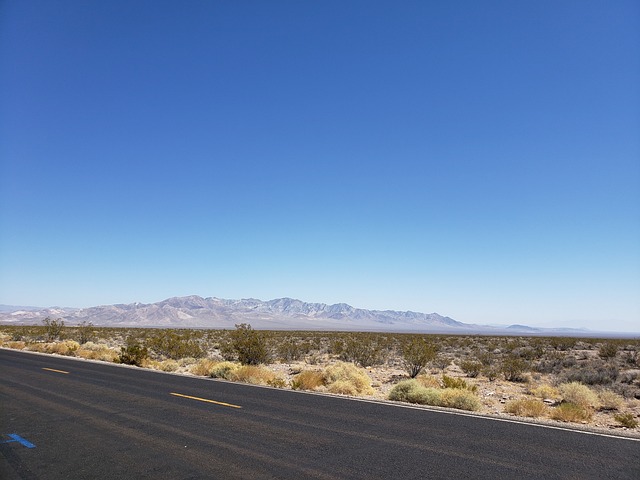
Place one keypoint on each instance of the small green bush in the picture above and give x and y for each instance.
(608, 350)
(133, 354)
(626, 420)
(417, 353)
(249, 345)
(471, 368)
(513, 368)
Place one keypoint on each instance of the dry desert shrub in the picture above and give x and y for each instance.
(526, 407)
(253, 374)
(104, 354)
(348, 379)
(459, 398)
(67, 347)
(429, 381)
(610, 400)
(457, 383)
(215, 369)
(203, 367)
(413, 391)
(471, 368)
(579, 394)
(570, 412)
(626, 420)
(163, 365)
(308, 380)
(545, 391)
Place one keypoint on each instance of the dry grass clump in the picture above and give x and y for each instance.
(610, 400)
(347, 379)
(413, 392)
(527, 407)
(103, 353)
(208, 367)
(17, 344)
(162, 365)
(459, 398)
(255, 375)
(545, 391)
(457, 383)
(429, 381)
(570, 412)
(203, 367)
(308, 380)
(579, 394)
(626, 420)
(67, 347)
(342, 378)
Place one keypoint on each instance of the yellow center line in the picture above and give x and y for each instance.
(205, 400)
(54, 370)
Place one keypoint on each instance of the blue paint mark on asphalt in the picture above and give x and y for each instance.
(17, 438)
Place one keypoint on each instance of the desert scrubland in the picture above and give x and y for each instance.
(583, 381)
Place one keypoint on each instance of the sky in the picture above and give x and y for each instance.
(480, 160)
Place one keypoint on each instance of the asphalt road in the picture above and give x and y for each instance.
(100, 421)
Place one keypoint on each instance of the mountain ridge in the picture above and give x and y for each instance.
(285, 313)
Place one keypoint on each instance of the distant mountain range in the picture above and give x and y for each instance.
(279, 314)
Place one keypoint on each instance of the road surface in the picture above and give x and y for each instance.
(64, 418)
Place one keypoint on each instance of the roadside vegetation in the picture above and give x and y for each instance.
(581, 380)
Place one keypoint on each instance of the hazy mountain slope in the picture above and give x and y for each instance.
(282, 313)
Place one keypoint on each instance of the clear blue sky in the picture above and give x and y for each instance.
(476, 159)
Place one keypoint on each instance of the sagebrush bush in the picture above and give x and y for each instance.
(513, 368)
(579, 394)
(593, 375)
(608, 350)
(471, 368)
(570, 412)
(526, 407)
